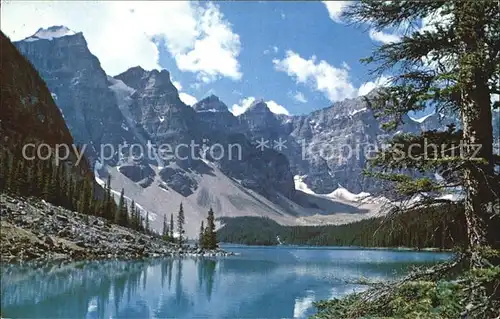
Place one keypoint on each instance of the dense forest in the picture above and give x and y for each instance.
(55, 184)
(436, 227)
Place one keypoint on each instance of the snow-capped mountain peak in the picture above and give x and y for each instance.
(50, 33)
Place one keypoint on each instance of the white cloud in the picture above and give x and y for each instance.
(120, 33)
(245, 103)
(213, 53)
(299, 97)
(367, 87)
(187, 99)
(436, 20)
(321, 76)
(335, 9)
(273, 48)
(383, 37)
(431, 23)
(177, 85)
(276, 108)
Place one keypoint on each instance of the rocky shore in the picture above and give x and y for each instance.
(34, 230)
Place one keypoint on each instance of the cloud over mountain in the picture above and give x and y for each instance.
(125, 34)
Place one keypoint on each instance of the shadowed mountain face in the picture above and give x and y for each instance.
(143, 108)
(80, 88)
(28, 113)
(154, 105)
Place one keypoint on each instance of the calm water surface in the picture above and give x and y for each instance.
(262, 282)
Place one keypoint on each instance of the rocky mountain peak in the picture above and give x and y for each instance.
(80, 86)
(154, 81)
(258, 107)
(211, 103)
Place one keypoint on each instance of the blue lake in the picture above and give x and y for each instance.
(261, 282)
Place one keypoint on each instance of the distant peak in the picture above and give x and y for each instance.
(211, 103)
(137, 68)
(51, 33)
(211, 99)
(56, 28)
(163, 73)
(258, 105)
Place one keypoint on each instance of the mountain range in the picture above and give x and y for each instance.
(297, 170)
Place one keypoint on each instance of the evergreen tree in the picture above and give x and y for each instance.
(40, 179)
(124, 213)
(133, 221)
(17, 178)
(180, 224)
(146, 223)
(201, 236)
(171, 235)
(31, 178)
(121, 213)
(50, 191)
(57, 200)
(165, 228)
(452, 65)
(61, 186)
(109, 202)
(210, 237)
(4, 169)
(85, 200)
(140, 220)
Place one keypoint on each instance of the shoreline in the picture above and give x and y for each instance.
(427, 249)
(34, 230)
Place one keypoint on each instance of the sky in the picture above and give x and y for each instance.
(297, 56)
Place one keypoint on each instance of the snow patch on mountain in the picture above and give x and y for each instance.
(301, 185)
(358, 111)
(341, 194)
(421, 120)
(344, 194)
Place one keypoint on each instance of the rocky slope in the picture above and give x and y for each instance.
(35, 230)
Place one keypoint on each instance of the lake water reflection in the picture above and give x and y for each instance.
(262, 282)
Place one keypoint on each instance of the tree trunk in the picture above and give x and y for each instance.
(479, 182)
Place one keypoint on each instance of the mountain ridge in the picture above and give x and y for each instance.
(321, 149)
